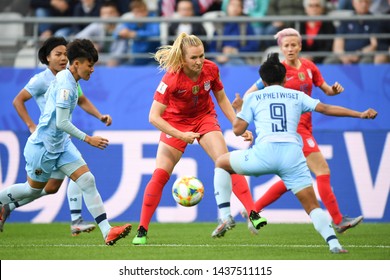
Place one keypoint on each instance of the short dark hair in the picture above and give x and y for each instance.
(48, 46)
(110, 3)
(82, 49)
(272, 71)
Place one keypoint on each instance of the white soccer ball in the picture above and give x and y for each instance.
(187, 190)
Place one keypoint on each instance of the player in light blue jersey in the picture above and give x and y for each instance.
(49, 147)
(53, 54)
(276, 111)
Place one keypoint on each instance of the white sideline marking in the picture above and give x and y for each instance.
(193, 245)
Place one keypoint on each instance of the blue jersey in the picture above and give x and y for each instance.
(38, 85)
(275, 111)
(63, 93)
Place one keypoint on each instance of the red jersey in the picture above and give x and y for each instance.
(188, 101)
(303, 79)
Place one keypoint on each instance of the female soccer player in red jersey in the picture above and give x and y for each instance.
(183, 111)
(301, 75)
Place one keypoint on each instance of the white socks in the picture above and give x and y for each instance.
(93, 201)
(323, 226)
(222, 191)
(18, 192)
(75, 200)
(25, 201)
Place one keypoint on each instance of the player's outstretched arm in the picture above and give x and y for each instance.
(63, 123)
(237, 103)
(96, 141)
(237, 106)
(91, 109)
(334, 89)
(251, 89)
(339, 111)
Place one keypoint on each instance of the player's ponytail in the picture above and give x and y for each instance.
(272, 71)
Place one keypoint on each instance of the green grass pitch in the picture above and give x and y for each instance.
(192, 241)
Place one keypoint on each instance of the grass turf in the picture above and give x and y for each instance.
(23, 241)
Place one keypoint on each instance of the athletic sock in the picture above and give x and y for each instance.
(271, 195)
(18, 192)
(152, 196)
(75, 200)
(222, 191)
(93, 201)
(328, 197)
(25, 201)
(241, 190)
(322, 225)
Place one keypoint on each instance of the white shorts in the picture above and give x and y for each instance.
(283, 159)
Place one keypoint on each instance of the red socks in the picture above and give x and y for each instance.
(152, 195)
(324, 189)
(272, 194)
(328, 198)
(241, 190)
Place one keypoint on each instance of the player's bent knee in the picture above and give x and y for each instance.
(86, 181)
(52, 187)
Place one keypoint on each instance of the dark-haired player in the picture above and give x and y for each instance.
(50, 148)
(302, 75)
(53, 54)
(276, 111)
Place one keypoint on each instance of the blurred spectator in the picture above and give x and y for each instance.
(332, 4)
(345, 5)
(18, 6)
(86, 8)
(231, 48)
(123, 5)
(351, 51)
(100, 33)
(166, 8)
(377, 6)
(185, 9)
(138, 37)
(282, 8)
(384, 44)
(53, 8)
(255, 9)
(313, 28)
(216, 5)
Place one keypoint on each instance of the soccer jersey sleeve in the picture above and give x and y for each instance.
(162, 92)
(216, 84)
(317, 76)
(308, 103)
(66, 93)
(259, 84)
(63, 98)
(33, 85)
(63, 123)
(38, 85)
(246, 111)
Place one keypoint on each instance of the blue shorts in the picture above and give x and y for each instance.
(283, 159)
(42, 165)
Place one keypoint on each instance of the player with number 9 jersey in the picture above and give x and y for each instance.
(302, 74)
